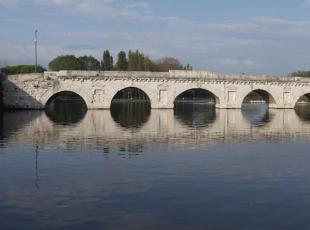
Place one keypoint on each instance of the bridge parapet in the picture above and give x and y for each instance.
(24, 77)
(231, 77)
(106, 74)
(173, 74)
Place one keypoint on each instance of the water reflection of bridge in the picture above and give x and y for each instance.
(98, 129)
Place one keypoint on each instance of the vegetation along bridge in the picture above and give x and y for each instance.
(98, 89)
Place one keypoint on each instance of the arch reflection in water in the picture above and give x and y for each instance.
(98, 130)
(131, 108)
(66, 108)
(303, 111)
(195, 108)
(195, 115)
(255, 107)
(302, 107)
(259, 97)
(256, 114)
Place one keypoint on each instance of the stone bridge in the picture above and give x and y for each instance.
(32, 91)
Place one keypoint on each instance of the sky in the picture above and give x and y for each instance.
(229, 36)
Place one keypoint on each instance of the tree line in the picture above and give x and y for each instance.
(20, 69)
(131, 61)
(301, 74)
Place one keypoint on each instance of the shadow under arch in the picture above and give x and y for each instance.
(302, 107)
(258, 96)
(66, 108)
(197, 96)
(131, 107)
(196, 107)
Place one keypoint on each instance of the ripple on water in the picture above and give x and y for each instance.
(194, 167)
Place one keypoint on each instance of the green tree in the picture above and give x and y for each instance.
(111, 63)
(107, 63)
(89, 63)
(134, 61)
(138, 61)
(147, 64)
(188, 67)
(169, 63)
(301, 74)
(21, 69)
(131, 61)
(65, 62)
(122, 63)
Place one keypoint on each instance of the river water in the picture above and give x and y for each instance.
(194, 167)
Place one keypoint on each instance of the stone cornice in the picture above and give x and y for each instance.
(183, 76)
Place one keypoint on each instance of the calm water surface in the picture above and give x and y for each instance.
(192, 168)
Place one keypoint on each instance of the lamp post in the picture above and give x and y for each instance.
(36, 49)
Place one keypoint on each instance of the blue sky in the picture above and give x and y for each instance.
(257, 36)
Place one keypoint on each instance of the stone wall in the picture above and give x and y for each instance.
(32, 91)
(24, 91)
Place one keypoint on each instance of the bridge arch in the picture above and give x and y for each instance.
(259, 95)
(197, 93)
(66, 107)
(52, 95)
(131, 94)
(130, 107)
(113, 92)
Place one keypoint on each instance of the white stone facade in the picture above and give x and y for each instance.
(32, 91)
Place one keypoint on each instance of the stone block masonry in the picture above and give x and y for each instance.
(32, 91)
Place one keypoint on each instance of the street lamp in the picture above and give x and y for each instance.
(36, 49)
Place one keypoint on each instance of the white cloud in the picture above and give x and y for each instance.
(255, 44)
(9, 3)
(140, 12)
(239, 62)
(104, 9)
